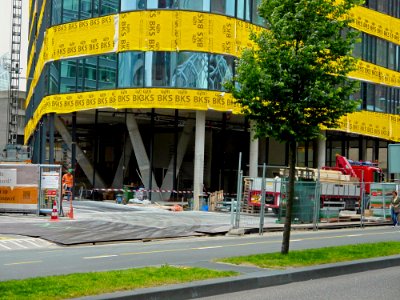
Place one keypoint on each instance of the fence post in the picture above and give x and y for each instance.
(316, 202)
(262, 205)
(238, 189)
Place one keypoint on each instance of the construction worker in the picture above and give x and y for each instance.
(67, 183)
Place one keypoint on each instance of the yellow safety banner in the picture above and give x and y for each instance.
(376, 23)
(168, 30)
(384, 126)
(376, 74)
(133, 98)
(91, 37)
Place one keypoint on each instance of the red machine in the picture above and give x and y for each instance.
(341, 185)
(361, 171)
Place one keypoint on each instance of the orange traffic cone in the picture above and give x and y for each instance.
(71, 210)
(54, 213)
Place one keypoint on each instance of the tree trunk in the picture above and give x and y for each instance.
(290, 197)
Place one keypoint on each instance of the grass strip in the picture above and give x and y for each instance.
(95, 283)
(310, 257)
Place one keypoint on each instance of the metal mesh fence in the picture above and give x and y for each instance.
(315, 203)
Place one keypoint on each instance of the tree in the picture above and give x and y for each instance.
(294, 79)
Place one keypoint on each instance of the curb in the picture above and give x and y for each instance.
(251, 281)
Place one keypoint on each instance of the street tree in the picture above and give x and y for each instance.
(294, 82)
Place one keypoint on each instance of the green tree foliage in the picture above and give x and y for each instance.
(294, 80)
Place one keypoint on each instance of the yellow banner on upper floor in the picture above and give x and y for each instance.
(384, 126)
(132, 98)
(376, 23)
(368, 123)
(369, 72)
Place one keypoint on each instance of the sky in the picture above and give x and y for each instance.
(5, 33)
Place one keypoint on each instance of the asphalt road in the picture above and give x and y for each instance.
(188, 251)
(378, 284)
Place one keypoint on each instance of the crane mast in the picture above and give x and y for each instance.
(14, 72)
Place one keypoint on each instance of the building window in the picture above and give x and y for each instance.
(159, 68)
(127, 5)
(243, 9)
(54, 70)
(109, 7)
(107, 71)
(68, 76)
(86, 9)
(220, 71)
(225, 7)
(191, 70)
(255, 17)
(131, 69)
(70, 10)
(56, 12)
(90, 74)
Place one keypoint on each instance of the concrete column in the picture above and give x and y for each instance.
(362, 148)
(199, 158)
(253, 155)
(321, 151)
(51, 138)
(140, 153)
(185, 138)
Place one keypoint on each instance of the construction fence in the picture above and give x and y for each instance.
(29, 188)
(314, 203)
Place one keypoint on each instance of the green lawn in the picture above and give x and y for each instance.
(309, 257)
(85, 284)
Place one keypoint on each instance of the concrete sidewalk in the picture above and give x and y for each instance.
(260, 278)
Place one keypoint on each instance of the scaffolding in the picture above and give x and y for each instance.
(12, 116)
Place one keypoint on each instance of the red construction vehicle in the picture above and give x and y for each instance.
(341, 185)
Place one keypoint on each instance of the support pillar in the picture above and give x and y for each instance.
(199, 159)
(140, 153)
(253, 155)
(321, 151)
(51, 138)
(362, 146)
(73, 142)
(182, 144)
(43, 140)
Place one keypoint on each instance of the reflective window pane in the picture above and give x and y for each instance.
(109, 7)
(54, 77)
(243, 9)
(131, 69)
(70, 10)
(159, 68)
(90, 74)
(191, 70)
(132, 5)
(86, 9)
(225, 7)
(220, 70)
(68, 76)
(56, 12)
(80, 79)
(107, 71)
(255, 17)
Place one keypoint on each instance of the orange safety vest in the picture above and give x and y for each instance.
(68, 180)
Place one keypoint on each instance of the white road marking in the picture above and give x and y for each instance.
(24, 262)
(100, 256)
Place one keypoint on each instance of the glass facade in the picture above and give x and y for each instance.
(389, 7)
(193, 70)
(140, 69)
(64, 11)
(378, 51)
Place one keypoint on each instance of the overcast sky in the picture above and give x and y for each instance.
(5, 32)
